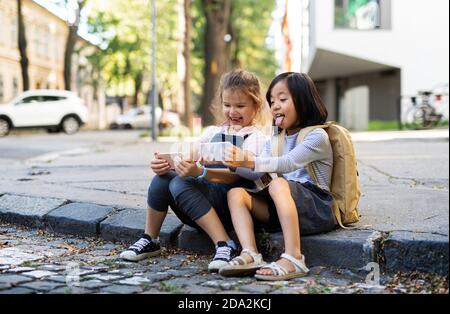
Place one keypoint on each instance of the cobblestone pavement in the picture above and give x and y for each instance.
(35, 261)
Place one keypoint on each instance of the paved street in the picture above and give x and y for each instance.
(33, 261)
(22, 145)
(55, 182)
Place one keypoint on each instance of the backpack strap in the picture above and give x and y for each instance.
(337, 214)
(301, 136)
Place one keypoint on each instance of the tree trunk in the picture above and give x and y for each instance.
(70, 46)
(217, 13)
(187, 63)
(22, 41)
(137, 87)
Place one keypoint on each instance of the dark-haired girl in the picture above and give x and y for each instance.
(292, 202)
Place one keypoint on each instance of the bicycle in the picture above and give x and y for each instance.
(422, 114)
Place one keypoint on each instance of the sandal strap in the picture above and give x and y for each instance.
(257, 257)
(239, 260)
(298, 264)
(276, 269)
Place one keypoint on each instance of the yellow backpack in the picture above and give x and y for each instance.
(345, 187)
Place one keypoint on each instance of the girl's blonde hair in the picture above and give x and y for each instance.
(248, 83)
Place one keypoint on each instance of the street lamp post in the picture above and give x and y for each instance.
(154, 94)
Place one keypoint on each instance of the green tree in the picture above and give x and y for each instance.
(217, 14)
(124, 29)
(250, 23)
(72, 38)
(248, 27)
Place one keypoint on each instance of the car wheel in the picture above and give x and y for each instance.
(4, 127)
(70, 125)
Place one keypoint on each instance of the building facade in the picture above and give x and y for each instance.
(46, 36)
(365, 54)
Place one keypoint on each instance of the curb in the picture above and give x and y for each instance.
(355, 248)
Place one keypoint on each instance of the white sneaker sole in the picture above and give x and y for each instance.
(132, 257)
(215, 266)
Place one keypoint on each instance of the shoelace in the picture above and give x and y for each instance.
(223, 253)
(140, 244)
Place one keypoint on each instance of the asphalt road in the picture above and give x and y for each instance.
(404, 180)
(22, 145)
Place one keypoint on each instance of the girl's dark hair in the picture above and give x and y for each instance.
(308, 104)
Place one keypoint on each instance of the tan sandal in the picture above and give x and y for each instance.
(239, 266)
(281, 273)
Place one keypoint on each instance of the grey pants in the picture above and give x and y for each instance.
(190, 198)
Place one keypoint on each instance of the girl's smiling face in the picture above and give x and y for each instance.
(238, 108)
(283, 108)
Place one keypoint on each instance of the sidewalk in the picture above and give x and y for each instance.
(102, 192)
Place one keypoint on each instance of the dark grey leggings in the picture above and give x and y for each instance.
(189, 198)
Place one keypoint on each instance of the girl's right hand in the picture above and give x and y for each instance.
(159, 166)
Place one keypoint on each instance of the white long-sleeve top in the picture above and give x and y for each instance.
(315, 148)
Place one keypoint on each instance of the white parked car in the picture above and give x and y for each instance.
(140, 118)
(54, 110)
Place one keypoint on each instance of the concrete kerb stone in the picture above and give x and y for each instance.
(81, 219)
(396, 251)
(410, 251)
(339, 248)
(27, 210)
(124, 226)
(170, 230)
(194, 240)
(127, 226)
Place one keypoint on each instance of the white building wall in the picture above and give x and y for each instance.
(417, 42)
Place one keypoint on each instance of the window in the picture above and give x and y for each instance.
(1, 23)
(14, 32)
(42, 44)
(15, 86)
(362, 14)
(52, 98)
(46, 42)
(2, 93)
(31, 99)
(36, 41)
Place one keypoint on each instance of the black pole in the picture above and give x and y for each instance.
(399, 112)
(154, 92)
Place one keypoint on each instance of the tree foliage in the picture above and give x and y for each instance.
(251, 20)
(124, 28)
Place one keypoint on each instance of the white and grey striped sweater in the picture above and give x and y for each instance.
(315, 148)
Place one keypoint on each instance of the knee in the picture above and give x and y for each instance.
(235, 198)
(159, 185)
(177, 186)
(278, 188)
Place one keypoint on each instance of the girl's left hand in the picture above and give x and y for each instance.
(187, 168)
(235, 157)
